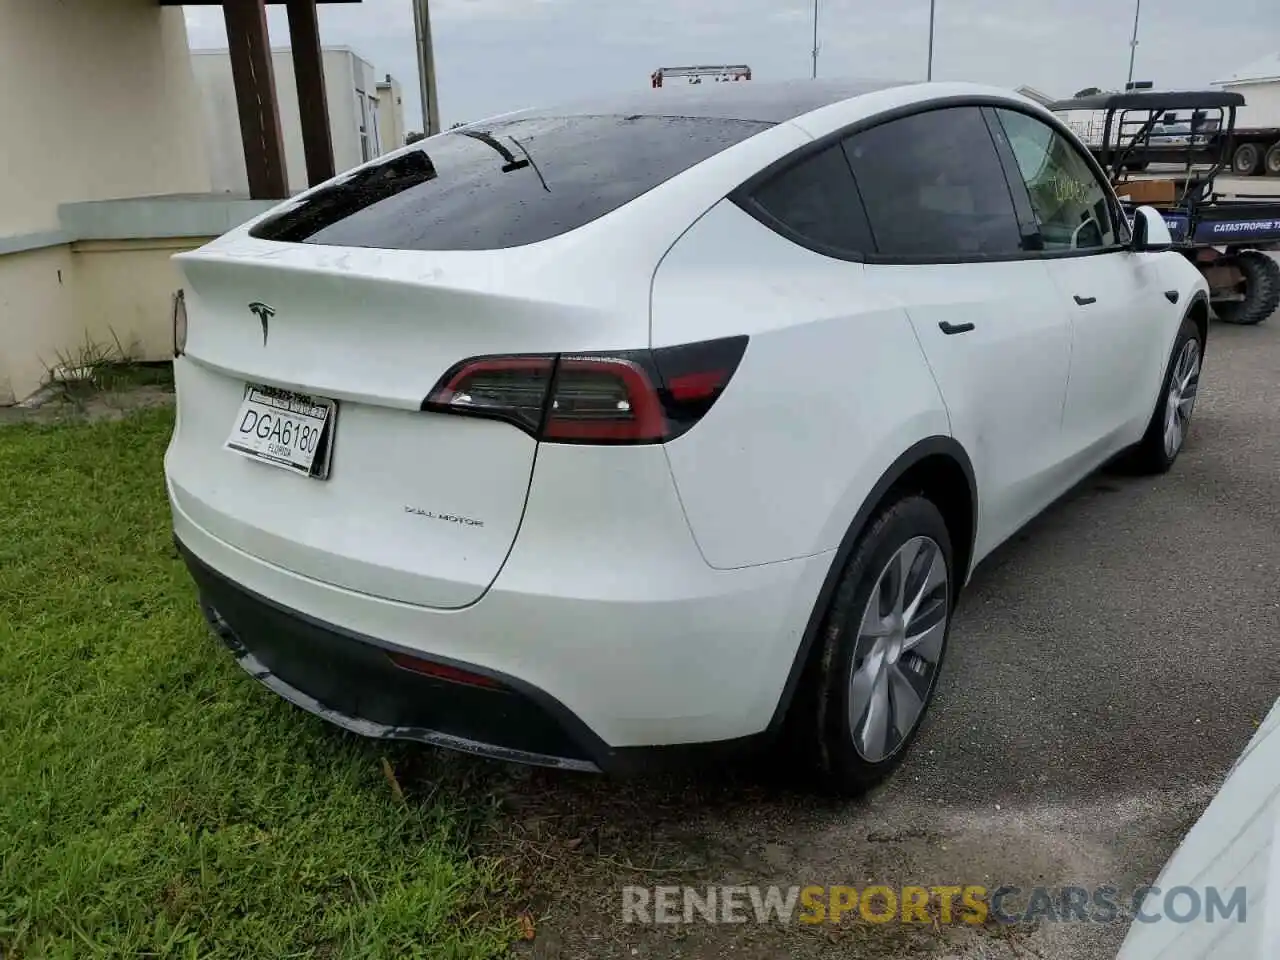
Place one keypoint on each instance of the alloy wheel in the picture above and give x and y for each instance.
(1183, 386)
(899, 647)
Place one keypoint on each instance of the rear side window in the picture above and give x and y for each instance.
(505, 185)
(817, 203)
(934, 187)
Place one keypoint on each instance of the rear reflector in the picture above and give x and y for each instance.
(638, 396)
(442, 671)
(179, 323)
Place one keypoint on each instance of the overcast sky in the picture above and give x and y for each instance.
(499, 55)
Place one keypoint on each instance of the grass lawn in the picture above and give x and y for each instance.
(153, 798)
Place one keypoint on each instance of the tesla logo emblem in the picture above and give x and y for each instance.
(264, 313)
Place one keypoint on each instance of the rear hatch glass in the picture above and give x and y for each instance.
(505, 184)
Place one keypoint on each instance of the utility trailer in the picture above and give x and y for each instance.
(1226, 239)
(1251, 148)
(1257, 141)
(1256, 150)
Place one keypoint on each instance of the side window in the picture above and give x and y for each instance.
(816, 200)
(1070, 204)
(934, 186)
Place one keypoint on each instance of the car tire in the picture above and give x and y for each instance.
(871, 678)
(1261, 290)
(1165, 438)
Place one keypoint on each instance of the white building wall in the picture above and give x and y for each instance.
(219, 122)
(95, 103)
(343, 110)
(346, 76)
(391, 113)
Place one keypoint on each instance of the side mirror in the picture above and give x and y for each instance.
(1150, 232)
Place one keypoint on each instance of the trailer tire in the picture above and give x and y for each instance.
(1246, 160)
(1272, 161)
(1261, 290)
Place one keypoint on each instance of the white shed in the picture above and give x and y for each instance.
(1259, 83)
(366, 117)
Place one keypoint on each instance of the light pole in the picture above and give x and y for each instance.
(1133, 44)
(426, 68)
(815, 39)
(929, 70)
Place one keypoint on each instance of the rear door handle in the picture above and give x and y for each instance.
(1085, 301)
(950, 328)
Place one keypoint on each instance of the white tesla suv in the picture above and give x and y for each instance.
(604, 435)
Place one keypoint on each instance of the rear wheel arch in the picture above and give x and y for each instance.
(1169, 421)
(1198, 313)
(937, 468)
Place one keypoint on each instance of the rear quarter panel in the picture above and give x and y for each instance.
(832, 389)
(1173, 271)
(1164, 271)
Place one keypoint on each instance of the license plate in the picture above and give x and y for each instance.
(285, 429)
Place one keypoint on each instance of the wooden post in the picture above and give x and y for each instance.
(256, 98)
(313, 106)
(426, 67)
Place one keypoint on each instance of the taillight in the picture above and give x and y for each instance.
(609, 399)
(635, 396)
(504, 388)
